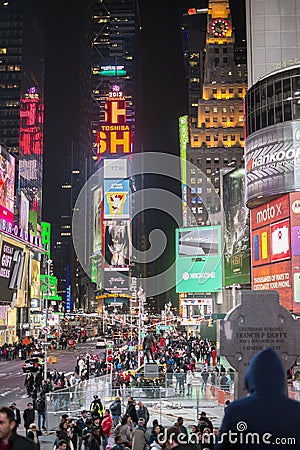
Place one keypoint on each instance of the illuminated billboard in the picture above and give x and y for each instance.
(116, 280)
(236, 229)
(35, 279)
(12, 264)
(183, 140)
(198, 259)
(7, 185)
(114, 137)
(272, 160)
(115, 168)
(271, 249)
(116, 242)
(116, 199)
(31, 149)
(97, 228)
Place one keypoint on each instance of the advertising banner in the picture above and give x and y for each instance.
(272, 160)
(277, 276)
(35, 279)
(12, 264)
(24, 212)
(198, 259)
(7, 185)
(97, 235)
(236, 229)
(183, 140)
(116, 199)
(295, 247)
(116, 242)
(116, 280)
(115, 168)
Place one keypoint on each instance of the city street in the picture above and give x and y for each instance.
(12, 377)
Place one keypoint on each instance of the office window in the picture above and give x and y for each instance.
(193, 171)
(216, 49)
(193, 190)
(194, 210)
(208, 170)
(193, 200)
(225, 60)
(240, 90)
(224, 109)
(207, 109)
(200, 209)
(208, 190)
(233, 137)
(199, 200)
(223, 119)
(231, 119)
(215, 119)
(207, 119)
(214, 91)
(196, 138)
(193, 180)
(208, 160)
(225, 138)
(215, 109)
(230, 90)
(223, 91)
(217, 60)
(207, 138)
(199, 190)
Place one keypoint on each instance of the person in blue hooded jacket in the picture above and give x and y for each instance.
(267, 417)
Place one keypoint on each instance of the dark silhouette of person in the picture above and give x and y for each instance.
(148, 343)
(257, 420)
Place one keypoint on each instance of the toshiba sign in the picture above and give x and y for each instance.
(272, 158)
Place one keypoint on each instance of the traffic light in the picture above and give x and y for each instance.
(210, 322)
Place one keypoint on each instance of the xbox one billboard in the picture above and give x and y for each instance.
(198, 259)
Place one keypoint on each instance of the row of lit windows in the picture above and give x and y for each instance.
(223, 109)
(8, 86)
(10, 103)
(224, 119)
(9, 42)
(217, 138)
(223, 90)
(4, 68)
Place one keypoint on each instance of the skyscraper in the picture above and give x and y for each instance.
(216, 135)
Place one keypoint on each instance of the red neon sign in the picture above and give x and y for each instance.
(31, 126)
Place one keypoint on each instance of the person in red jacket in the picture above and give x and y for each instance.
(106, 426)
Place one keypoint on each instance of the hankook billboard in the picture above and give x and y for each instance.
(272, 159)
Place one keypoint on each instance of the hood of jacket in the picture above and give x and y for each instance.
(265, 374)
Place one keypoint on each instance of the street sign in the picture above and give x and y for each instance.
(46, 330)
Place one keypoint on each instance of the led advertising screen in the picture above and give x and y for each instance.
(272, 161)
(116, 199)
(35, 287)
(7, 185)
(198, 259)
(24, 212)
(116, 280)
(271, 249)
(116, 242)
(97, 235)
(115, 168)
(12, 263)
(236, 229)
(295, 248)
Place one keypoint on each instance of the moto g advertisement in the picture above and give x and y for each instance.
(272, 160)
(295, 248)
(275, 248)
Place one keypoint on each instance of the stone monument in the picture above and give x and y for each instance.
(258, 322)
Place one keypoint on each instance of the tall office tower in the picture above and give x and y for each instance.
(273, 35)
(216, 141)
(20, 67)
(71, 122)
(193, 25)
(113, 57)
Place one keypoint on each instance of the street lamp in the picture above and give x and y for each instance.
(141, 297)
(46, 300)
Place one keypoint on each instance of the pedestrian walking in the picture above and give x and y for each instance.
(33, 434)
(142, 412)
(189, 382)
(106, 426)
(41, 410)
(116, 411)
(28, 416)
(204, 376)
(81, 424)
(140, 436)
(17, 414)
(9, 439)
(96, 407)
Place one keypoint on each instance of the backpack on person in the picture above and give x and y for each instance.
(40, 405)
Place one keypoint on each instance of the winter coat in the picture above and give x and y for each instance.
(267, 411)
(131, 411)
(106, 425)
(125, 431)
(140, 438)
(115, 408)
(19, 442)
(28, 416)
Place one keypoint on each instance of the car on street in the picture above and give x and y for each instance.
(32, 364)
(101, 344)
